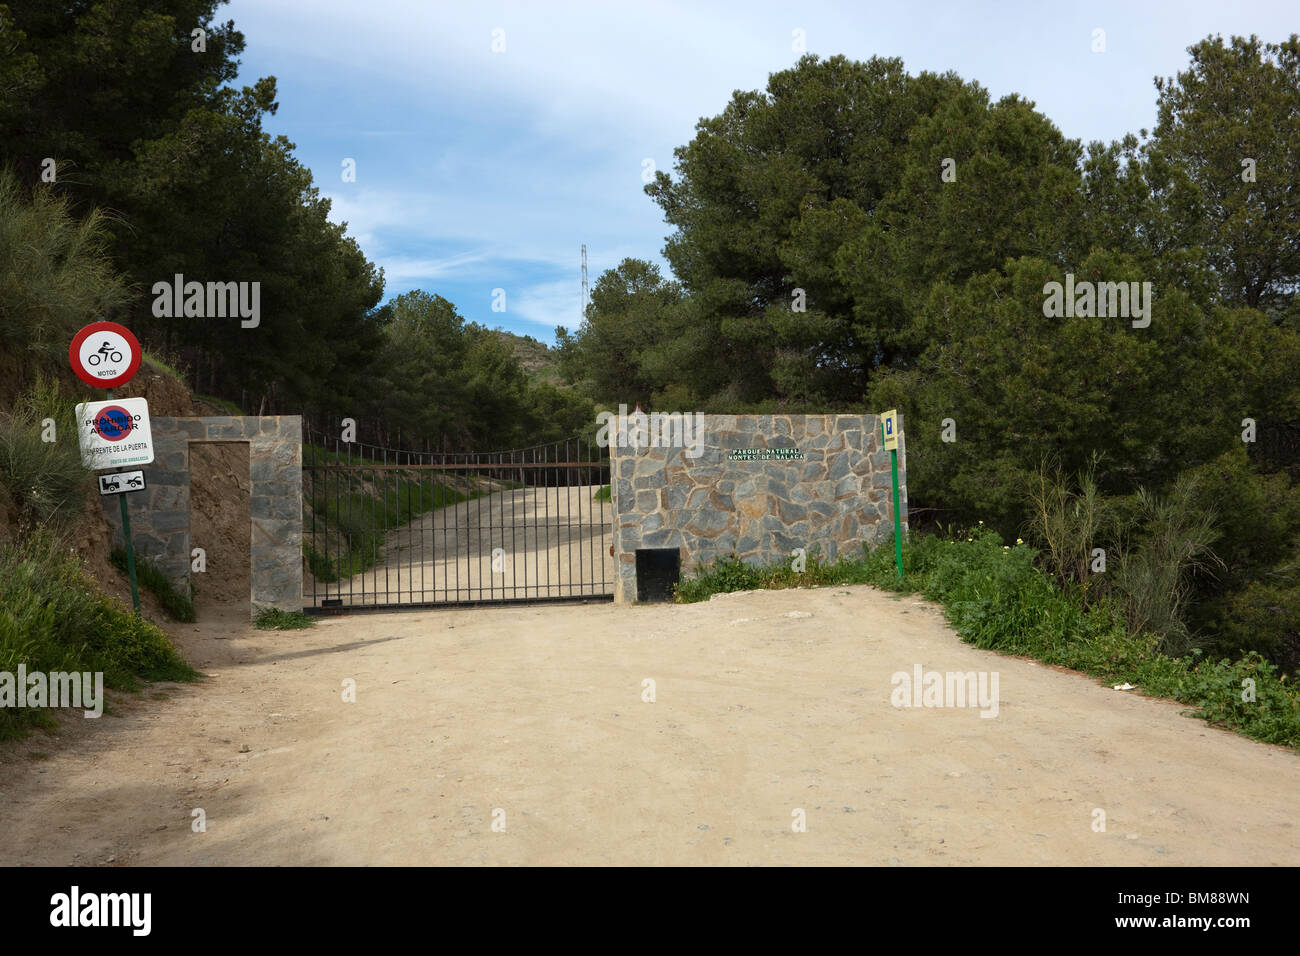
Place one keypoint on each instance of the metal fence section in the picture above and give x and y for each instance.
(385, 528)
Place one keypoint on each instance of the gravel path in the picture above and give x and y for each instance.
(766, 704)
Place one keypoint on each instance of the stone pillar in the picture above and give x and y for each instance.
(160, 515)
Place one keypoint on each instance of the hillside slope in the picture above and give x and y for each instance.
(92, 538)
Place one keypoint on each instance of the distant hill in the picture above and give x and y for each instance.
(537, 358)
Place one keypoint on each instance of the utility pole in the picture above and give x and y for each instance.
(584, 283)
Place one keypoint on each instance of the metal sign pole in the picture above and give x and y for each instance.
(898, 519)
(130, 549)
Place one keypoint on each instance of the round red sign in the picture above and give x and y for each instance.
(105, 354)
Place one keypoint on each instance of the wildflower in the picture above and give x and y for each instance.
(1020, 540)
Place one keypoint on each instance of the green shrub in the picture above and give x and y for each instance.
(170, 366)
(1262, 617)
(1253, 604)
(273, 619)
(729, 573)
(178, 606)
(321, 565)
(229, 407)
(56, 271)
(45, 479)
(1154, 580)
(53, 618)
(1246, 694)
(1069, 521)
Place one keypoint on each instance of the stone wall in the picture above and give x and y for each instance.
(835, 498)
(160, 515)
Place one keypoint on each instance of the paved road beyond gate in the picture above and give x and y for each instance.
(385, 528)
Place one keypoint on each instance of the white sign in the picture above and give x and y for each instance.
(121, 482)
(114, 434)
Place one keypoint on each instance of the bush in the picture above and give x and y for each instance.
(1154, 580)
(273, 619)
(53, 618)
(1261, 618)
(1253, 604)
(45, 479)
(179, 606)
(54, 269)
(730, 573)
(321, 565)
(1069, 521)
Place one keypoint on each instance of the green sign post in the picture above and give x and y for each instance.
(130, 554)
(889, 432)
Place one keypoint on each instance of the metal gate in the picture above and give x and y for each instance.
(389, 529)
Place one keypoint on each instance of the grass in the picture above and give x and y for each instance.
(602, 494)
(320, 455)
(222, 403)
(45, 478)
(273, 619)
(178, 606)
(995, 597)
(53, 618)
(164, 367)
(320, 565)
(58, 271)
(731, 574)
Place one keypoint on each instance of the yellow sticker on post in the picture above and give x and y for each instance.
(889, 426)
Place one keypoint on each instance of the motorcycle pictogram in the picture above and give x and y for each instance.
(105, 351)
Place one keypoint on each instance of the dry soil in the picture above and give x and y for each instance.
(765, 704)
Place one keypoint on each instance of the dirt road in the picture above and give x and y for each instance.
(765, 704)
(553, 542)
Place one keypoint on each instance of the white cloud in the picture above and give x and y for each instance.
(549, 304)
(407, 271)
(495, 168)
(584, 70)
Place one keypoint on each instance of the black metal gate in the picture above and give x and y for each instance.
(389, 529)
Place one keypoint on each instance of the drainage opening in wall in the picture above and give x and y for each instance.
(657, 573)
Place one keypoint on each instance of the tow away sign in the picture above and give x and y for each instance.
(121, 482)
(114, 434)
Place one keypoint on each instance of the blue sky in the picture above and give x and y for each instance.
(478, 170)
